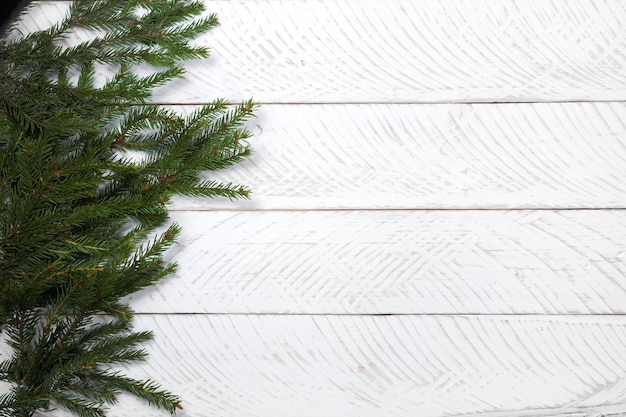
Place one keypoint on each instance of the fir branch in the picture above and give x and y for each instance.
(80, 215)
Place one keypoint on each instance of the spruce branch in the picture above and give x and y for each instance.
(86, 172)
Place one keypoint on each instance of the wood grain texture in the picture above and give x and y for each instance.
(403, 262)
(555, 155)
(365, 366)
(371, 366)
(499, 313)
(405, 51)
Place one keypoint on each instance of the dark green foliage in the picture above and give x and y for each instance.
(86, 170)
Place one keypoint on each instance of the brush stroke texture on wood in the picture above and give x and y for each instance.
(381, 366)
(408, 262)
(554, 155)
(566, 267)
(404, 51)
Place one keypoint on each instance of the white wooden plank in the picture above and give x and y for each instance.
(454, 156)
(349, 366)
(408, 262)
(556, 155)
(370, 366)
(406, 51)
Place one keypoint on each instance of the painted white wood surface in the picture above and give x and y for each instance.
(402, 262)
(550, 155)
(311, 51)
(400, 366)
(557, 277)
(370, 366)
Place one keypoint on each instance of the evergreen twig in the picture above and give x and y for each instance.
(86, 172)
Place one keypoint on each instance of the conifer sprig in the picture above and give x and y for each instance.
(86, 171)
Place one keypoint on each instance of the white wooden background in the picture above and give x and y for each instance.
(438, 224)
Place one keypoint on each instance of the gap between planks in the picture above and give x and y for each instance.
(398, 209)
(487, 315)
(388, 103)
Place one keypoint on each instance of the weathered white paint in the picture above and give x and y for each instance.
(554, 155)
(566, 266)
(311, 51)
(408, 262)
(368, 366)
